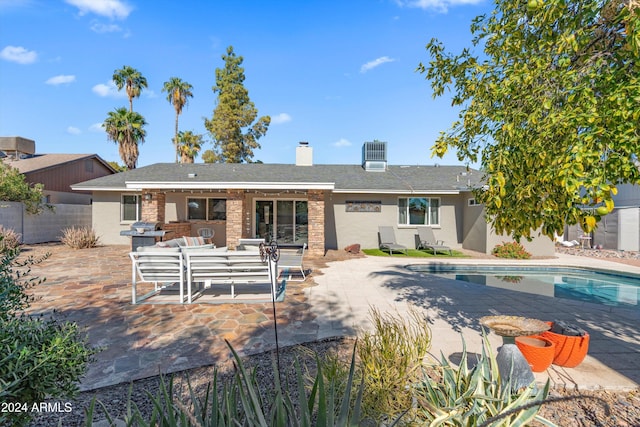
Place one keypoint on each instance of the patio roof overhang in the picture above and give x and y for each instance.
(421, 191)
(141, 185)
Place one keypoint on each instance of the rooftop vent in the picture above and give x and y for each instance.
(374, 156)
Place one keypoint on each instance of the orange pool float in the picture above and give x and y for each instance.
(537, 350)
(570, 351)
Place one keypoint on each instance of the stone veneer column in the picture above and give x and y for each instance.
(316, 222)
(153, 210)
(235, 217)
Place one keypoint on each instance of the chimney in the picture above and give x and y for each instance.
(304, 154)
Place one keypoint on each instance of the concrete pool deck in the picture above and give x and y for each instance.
(93, 288)
(347, 290)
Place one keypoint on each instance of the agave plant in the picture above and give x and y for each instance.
(477, 396)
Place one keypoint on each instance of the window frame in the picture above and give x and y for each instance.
(428, 212)
(207, 217)
(138, 204)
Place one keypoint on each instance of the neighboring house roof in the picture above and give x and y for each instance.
(259, 176)
(39, 162)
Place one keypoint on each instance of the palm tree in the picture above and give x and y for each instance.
(178, 92)
(189, 145)
(131, 80)
(126, 128)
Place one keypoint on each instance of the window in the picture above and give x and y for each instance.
(473, 202)
(130, 207)
(418, 211)
(217, 209)
(207, 209)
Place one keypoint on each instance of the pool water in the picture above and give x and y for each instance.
(599, 287)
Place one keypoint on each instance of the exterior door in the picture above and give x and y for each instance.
(264, 219)
(282, 220)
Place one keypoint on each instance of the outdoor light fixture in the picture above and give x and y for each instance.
(148, 197)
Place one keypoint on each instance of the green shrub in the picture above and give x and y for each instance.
(14, 188)
(10, 239)
(478, 396)
(38, 358)
(79, 237)
(513, 250)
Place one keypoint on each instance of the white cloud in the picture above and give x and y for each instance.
(342, 142)
(101, 28)
(108, 8)
(108, 89)
(375, 63)
(96, 127)
(18, 54)
(281, 118)
(73, 130)
(436, 5)
(61, 79)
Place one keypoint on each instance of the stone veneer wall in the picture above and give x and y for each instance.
(235, 216)
(153, 210)
(316, 222)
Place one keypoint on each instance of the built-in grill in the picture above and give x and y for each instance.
(144, 233)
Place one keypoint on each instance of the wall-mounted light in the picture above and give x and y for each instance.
(148, 197)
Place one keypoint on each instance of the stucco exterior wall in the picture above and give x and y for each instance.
(480, 236)
(474, 228)
(106, 218)
(362, 227)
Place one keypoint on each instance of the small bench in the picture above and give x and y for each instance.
(229, 268)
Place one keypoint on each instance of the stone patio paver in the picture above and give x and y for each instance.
(93, 288)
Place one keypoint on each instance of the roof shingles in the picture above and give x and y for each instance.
(346, 178)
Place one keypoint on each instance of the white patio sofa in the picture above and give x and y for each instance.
(160, 266)
(232, 268)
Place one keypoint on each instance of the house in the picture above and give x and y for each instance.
(57, 172)
(325, 206)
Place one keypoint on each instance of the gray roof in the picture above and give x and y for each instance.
(338, 178)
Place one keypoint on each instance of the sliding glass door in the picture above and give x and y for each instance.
(286, 221)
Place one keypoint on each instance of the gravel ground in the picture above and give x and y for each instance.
(592, 408)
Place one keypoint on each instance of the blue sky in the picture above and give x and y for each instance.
(334, 73)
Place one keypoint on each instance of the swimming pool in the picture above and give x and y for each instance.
(599, 287)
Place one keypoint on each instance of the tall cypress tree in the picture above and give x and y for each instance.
(233, 127)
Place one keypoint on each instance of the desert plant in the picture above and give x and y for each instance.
(240, 402)
(513, 250)
(390, 358)
(79, 237)
(478, 396)
(10, 239)
(38, 358)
